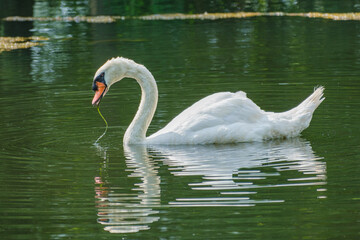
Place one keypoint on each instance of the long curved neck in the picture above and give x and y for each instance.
(136, 132)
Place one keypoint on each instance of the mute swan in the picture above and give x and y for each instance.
(222, 117)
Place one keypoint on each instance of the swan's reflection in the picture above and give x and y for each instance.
(124, 212)
(238, 171)
(227, 175)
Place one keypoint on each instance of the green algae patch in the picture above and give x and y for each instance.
(12, 43)
(181, 16)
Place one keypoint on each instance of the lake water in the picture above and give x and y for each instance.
(57, 184)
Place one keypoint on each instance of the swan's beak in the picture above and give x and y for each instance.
(99, 93)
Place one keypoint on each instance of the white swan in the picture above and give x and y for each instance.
(222, 117)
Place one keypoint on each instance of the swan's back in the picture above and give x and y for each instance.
(232, 117)
(213, 119)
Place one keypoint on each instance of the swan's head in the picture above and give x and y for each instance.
(112, 71)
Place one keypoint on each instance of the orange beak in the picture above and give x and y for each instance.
(99, 93)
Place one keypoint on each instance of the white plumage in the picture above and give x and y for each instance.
(222, 117)
(226, 117)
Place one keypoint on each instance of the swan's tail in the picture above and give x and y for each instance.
(311, 103)
(294, 121)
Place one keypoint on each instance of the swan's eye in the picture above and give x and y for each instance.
(99, 78)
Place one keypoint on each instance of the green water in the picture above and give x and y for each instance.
(57, 184)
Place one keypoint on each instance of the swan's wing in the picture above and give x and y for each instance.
(218, 112)
(222, 108)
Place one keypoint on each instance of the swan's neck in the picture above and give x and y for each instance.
(136, 132)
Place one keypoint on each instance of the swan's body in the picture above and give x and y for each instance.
(222, 117)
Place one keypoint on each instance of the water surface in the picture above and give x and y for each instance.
(56, 184)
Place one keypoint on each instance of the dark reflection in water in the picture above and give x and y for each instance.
(227, 175)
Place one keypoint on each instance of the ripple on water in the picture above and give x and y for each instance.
(217, 176)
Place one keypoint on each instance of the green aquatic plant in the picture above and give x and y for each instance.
(106, 125)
